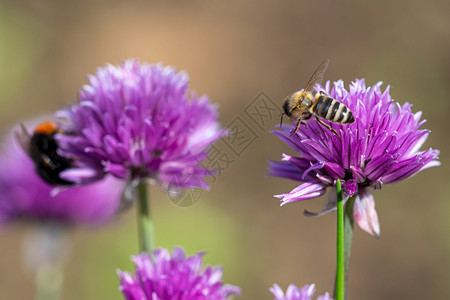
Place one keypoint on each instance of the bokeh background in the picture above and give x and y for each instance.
(233, 51)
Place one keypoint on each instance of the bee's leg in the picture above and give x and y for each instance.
(297, 125)
(328, 126)
(300, 122)
(304, 123)
(308, 116)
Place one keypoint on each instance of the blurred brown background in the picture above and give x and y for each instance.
(233, 51)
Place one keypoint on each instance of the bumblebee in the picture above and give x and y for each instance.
(42, 148)
(302, 105)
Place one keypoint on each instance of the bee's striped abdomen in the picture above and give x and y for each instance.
(332, 110)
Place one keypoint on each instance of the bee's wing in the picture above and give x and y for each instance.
(128, 195)
(317, 76)
(23, 138)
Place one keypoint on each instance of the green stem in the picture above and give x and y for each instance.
(49, 279)
(348, 235)
(45, 251)
(339, 291)
(145, 223)
(344, 243)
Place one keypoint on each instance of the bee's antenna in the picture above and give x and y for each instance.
(281, 121)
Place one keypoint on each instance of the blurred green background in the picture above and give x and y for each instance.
(233, 50)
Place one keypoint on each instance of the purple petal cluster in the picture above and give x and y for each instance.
(294, 293)
(174, 277)
(139, 121)
(24, 196)
(381, 146)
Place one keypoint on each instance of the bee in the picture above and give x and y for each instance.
(42, 148)
(301, 105)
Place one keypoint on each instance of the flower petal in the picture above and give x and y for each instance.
(334, 170)
(358, 174)
(284, 169)
(411, 166)
(380, 165)
(365, 213)
(277, 291)
(81, 175)
(316, 166)
(325, 297)
(295, 293)
(350, 186)
(305, 191)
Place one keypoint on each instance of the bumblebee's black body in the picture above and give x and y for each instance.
(49, 164)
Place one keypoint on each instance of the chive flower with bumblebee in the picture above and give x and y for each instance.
(140, 123)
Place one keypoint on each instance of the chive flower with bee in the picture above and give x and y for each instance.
(383, 145)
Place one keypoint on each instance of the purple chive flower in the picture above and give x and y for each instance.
(24, 196)
(294, 293)
(381, 146)
(174, 276)
(139, 121)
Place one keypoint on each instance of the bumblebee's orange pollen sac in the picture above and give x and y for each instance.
(46, 128)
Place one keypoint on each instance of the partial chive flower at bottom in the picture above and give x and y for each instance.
(294, 293)
(382, 146)
(174, 276)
